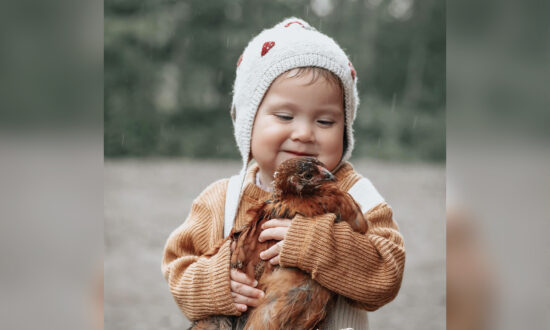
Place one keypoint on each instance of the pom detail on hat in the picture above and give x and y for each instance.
(352, 70)
(267, 46)
(288, 22)
(240, 60)
(294, 22)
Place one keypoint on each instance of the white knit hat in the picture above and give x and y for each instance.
(293, 43)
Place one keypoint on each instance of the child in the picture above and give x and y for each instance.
(294, 95)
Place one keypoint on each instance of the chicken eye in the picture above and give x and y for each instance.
(308, 176)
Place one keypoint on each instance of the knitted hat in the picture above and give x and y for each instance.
(293, 43)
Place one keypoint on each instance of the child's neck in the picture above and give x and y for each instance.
(264, 182)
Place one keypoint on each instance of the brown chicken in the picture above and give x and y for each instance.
(302, 186)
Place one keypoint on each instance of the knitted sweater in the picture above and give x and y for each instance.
(367, 269)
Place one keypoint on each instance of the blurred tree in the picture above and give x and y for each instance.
(170, 66)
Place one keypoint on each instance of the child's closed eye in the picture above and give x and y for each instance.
(284, 117)
(326, 123)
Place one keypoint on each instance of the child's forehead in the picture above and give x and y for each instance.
(301, 78)
(313, 74)
(305, 90)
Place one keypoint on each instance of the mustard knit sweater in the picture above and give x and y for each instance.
(364, 268)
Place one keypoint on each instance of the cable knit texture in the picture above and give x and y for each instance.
(367, 269)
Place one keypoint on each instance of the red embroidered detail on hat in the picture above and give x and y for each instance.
(352, 70)
(294, 22)
(240, 60)
(267, 46)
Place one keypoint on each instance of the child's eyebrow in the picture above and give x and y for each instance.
(331, 110)
(286, 104)
(278, 104)
(279, 101)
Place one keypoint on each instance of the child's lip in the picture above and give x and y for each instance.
(300, 153)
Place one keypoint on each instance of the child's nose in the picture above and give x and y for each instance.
(303, 132)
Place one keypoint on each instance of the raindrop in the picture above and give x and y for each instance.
(414, 121)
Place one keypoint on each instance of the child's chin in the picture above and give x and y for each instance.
(284, 157)
(287, 155)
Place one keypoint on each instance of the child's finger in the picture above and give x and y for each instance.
(271, 252)
(241, 307)
(241, 277)
(276, 223)
(246, 290)
(248, 301)
(275, 261)
(277, 233)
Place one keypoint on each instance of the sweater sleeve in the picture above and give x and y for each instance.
(366, 268)
(200, 285)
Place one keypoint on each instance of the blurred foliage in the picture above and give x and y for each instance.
(170, 66)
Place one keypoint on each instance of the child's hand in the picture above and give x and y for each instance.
(274, 229)
(243, 292)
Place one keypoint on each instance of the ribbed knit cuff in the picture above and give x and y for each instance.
(221, 281)
(307, 238)
(344, 316)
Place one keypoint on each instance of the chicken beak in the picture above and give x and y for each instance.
(326, 175)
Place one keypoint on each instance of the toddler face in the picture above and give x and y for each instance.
(298, 118)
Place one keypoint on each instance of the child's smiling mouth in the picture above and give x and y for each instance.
(297, 153)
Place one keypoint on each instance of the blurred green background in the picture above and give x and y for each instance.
(170, 66)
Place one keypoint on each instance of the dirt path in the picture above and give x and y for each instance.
(146, 200)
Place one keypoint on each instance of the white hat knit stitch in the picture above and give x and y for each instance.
(292, 43)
